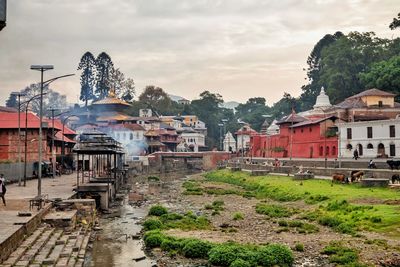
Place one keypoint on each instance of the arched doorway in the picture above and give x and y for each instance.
(360, 150)
(311, 152)
(381, 150)
(321, 150)
(327, 151)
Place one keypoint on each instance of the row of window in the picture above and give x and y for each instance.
(123, 136)
(327, 151)
(392, 132)
(381, 149)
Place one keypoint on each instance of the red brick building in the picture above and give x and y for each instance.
(9, 137)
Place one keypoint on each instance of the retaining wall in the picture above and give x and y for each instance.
(11, 171)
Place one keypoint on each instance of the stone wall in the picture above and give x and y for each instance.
(11, 170)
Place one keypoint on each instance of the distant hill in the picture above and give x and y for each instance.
(230, 104)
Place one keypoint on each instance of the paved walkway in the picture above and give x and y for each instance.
(17, 197)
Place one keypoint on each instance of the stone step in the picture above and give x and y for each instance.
(25, 245)
(43, 256)
(30, 254)
(66, 252)
(75, 251)
(82, 251)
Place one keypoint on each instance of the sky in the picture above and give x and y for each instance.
(237, 48)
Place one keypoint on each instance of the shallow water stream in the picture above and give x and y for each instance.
(114, 245)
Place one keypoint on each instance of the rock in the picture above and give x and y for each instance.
(139, 258)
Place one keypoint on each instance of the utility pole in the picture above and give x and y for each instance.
(19, 94)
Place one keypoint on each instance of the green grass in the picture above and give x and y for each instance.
(274, 211)
(341, 255)
(300, 226)
(238, 216)
(331, 204)
(264, 186)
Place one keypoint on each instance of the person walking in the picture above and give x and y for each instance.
(3, 188)
(355, 154)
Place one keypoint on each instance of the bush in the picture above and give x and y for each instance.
(171, 217)
(153, 239)
(196, 249)
(157, 210)
(273, 210)
(341, 255)
(283, 223)
(153, 178)
(240, 263)
(238, 216)
(152, 224)
(222, 255)
(171, 244)
(299, 247)
(275, 254)
(218, 203)
(329, 221)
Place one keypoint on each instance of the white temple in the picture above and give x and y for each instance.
(229, 143)
(273, 128)
(322, 103)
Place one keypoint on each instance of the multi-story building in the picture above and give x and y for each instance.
(371, 139)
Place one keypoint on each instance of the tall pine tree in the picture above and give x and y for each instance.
(88, 67)
(105, 68)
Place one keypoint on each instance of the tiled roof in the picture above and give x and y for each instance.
(10, 120)
(58, 125)
(58, 136)
(109, 101)
(311, 122)
(292, 118)
(7, 109)
(372, 92)
(129, 126)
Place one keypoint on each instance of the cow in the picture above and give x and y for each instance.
(339, 177)
(356, 176)
(395, 178)
(393, 164)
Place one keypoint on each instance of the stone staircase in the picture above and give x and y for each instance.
(48, 246)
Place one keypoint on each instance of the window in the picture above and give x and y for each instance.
(333, 150)
(369, 132)
(301, 130)
(380, 104)
(327, 151)
(392, 131)
(360, 150)
(349, 133)
(321, 150)
(392, 149)
(370, 146)
(310, 129)
(131, 136)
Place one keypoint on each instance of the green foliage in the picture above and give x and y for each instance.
(196, 249)
(152, 224)
(300, 226)
(275, 254)
(315, 199)
(238, 216)
(157, 99)
(395, 23)
(192, 188)
(340, 254)
(104, 69)
(273, 210)
(153, 178)
(153, 239)
(252, 112)
(88, 67)
(299, 247)
(240, 263)
(157, 210)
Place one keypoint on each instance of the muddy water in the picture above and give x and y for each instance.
(114, 245)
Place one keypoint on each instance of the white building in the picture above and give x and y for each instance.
(380, 138)
(229, 143)
(193, 139)
(243, 137)
(131, 136)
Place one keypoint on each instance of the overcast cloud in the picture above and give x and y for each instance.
(238, 48)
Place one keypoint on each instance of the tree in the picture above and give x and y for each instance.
(104, 68)
(383, 75)
(252, 112)
(12, 101)
(51, 99)
(156, 99)
(124, 88)
(88, 67)
(207, 109)
(395, 23)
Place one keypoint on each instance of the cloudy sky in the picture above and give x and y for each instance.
(238, 48)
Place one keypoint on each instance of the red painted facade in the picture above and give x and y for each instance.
(308, 139)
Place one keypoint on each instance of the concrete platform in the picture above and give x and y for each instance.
(61, 219)
(374, 182)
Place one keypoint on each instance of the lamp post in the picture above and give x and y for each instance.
(266, 116)
(19, 94)
(26, 134)
(42, 69)
(220, 136)
(241, 135)
(224, 121)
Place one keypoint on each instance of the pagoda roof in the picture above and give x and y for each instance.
(292, 118)
(372, 92)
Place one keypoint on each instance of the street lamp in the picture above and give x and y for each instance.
(26, 134)
(220, 136)
(42, 69)
(19, 94)
(266, 116)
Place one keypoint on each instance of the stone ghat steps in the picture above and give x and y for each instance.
(48, 246)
